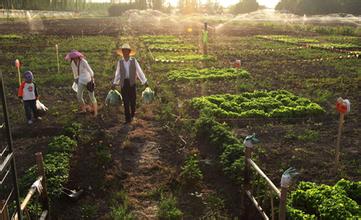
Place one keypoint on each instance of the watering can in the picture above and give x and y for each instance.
(114, 98)
(148, 95)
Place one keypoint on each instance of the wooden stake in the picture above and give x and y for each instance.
(340, 127)
(247, 185)
(283, 200)
(4, 215)
(41, 172)
(57, 57)
(17, 65)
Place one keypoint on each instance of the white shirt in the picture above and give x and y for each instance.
(85, 72)
(139, 71)
(29, 92)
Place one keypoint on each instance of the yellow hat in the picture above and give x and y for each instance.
(126, 46)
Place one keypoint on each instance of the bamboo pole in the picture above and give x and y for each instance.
(338, 148)
(247, 181)
(4, 215)
(269, 182)
(283, 200)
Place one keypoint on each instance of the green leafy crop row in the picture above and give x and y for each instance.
(183, 58)
(273, 104)
(57, 166)
(230, 148)
(172, 47)
(312, 201)
(289, 39)
(192, 74)
(159, 39)
(311, 42)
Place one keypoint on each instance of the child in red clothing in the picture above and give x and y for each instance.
(29, 94)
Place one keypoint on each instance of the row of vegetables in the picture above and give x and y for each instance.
(266, 104)
(333, 43)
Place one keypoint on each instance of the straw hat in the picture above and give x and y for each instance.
(126, 46)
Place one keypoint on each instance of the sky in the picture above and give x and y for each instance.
(268, 3)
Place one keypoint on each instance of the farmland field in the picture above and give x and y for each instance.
(185, 149)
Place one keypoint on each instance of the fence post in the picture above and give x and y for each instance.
(5, 214)
(41, 172)
(247, 185)
(283, 200)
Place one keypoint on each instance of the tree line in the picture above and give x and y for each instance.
(63, 5)
(313, 7)
(117, 7)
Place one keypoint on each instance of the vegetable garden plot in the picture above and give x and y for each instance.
(298, 54)
(194, 74)
(273, 104)
(312, 201)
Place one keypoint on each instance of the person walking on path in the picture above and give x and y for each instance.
(84, 78)
(28, 92)
(128, 70)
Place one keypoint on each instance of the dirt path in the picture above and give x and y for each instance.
(143, 155)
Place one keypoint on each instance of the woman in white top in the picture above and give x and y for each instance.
(84, 78)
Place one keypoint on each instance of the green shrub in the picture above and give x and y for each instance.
(72, 130)
(121, 213)
(168, 209)
(230, 148)
(57, 173)
(62, 144)
(191, 174)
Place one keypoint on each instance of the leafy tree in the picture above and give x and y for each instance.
(245, 6)
(311, 7)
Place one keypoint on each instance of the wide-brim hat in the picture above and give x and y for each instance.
(73, 54)
(125, 46)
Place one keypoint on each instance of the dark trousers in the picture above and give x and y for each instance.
(30, 108)
(129, 94)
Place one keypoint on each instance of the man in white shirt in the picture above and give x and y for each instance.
(128, 70)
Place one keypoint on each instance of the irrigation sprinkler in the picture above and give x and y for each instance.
(57, 57)
(17, 65)
(343, 106)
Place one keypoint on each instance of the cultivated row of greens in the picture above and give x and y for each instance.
(273, 104)
(208, 73)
